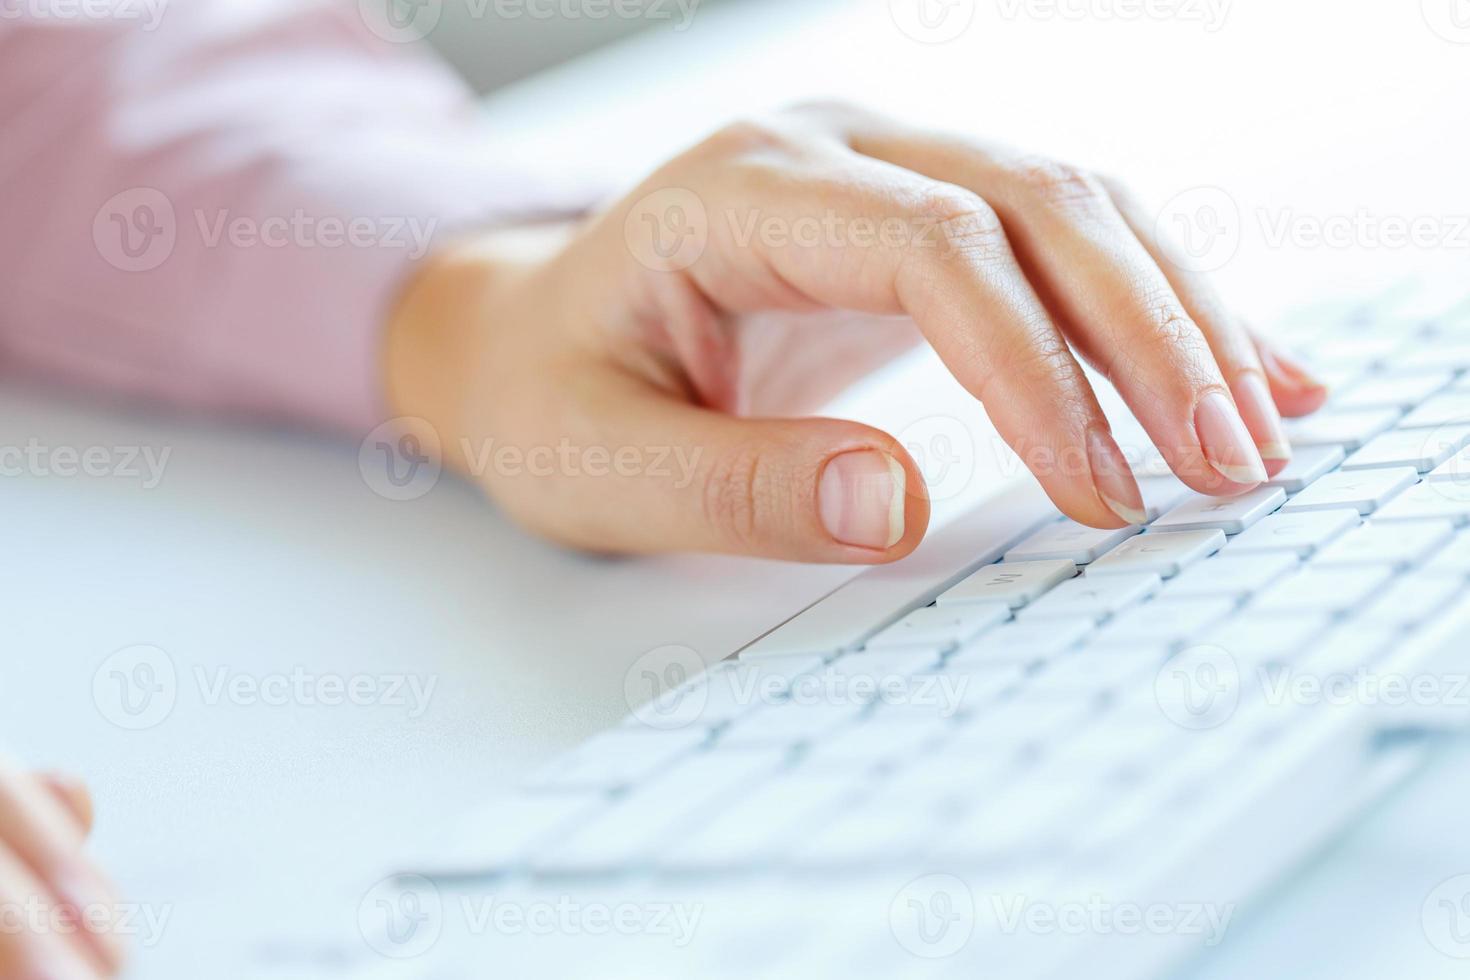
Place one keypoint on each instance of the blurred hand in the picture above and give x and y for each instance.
(765, 269)
(49, 889)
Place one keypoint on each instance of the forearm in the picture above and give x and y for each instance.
(237, 203)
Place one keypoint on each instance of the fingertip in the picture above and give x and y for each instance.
(1294, 388)
(1294, 403)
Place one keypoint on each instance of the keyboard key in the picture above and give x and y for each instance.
(1448, 501)
(1160, 623)
(890, 827)
(1456, 469)
(1032, 817)
(1450, 408)
(1452, 560)
(1163, 553)
(1346, 429)
(725, 691)
(1394, 545)
(617, 758)
(1161, 494)
(941, 626)
(1227, 575)
(762, 824)
(883, 662)
(1423, 449)
(635, 827)
(1095, 672)
(1017, 723)
(822, 708)
(949, 690)
(1253, 640)
(1022, 642)
(1434, 356)
(1097, 598)
(1327, 591)
(1301, 534)
(873, 743)
(1363, 490)
(1229, 514)
(1391, 391)
(1363, 351)
(1415, 600)
(1070, 541)
(1349, 647)
(1307, 464)
(1013, 583)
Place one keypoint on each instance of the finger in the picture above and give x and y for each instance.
(953, 273)
(1297, 391)
(73, 794)
(1108, 295)
(43, 835)
(1234, 349)
(33, 945)
(686, 478)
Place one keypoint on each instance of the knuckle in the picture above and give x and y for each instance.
(1171, 327)
(1058, 183)
(733, 495)
(962, 223)
(744, 137)
(828, 108)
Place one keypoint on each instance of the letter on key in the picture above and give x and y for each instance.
(1230, 514)
(1014, 583)
(1165, 553)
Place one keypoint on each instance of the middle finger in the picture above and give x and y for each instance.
(1109, 296)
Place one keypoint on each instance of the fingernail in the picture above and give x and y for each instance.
(1258, 410)
(1113, 478)
(861, 498)
(1288, 371)
(1226, 441)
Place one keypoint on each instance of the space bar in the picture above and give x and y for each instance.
(859, 608)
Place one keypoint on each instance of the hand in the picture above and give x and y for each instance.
(791, 257)
(49, 890)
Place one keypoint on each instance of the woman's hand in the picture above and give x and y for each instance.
(617, 387)
(54, 904)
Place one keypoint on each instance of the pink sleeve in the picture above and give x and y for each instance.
(216, 208)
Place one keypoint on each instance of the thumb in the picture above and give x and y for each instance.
(813, 490)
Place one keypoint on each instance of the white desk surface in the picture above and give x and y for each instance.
(261, 552)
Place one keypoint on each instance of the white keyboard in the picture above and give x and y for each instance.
(1166, 716)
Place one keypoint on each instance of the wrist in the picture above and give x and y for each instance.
(438, 348)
